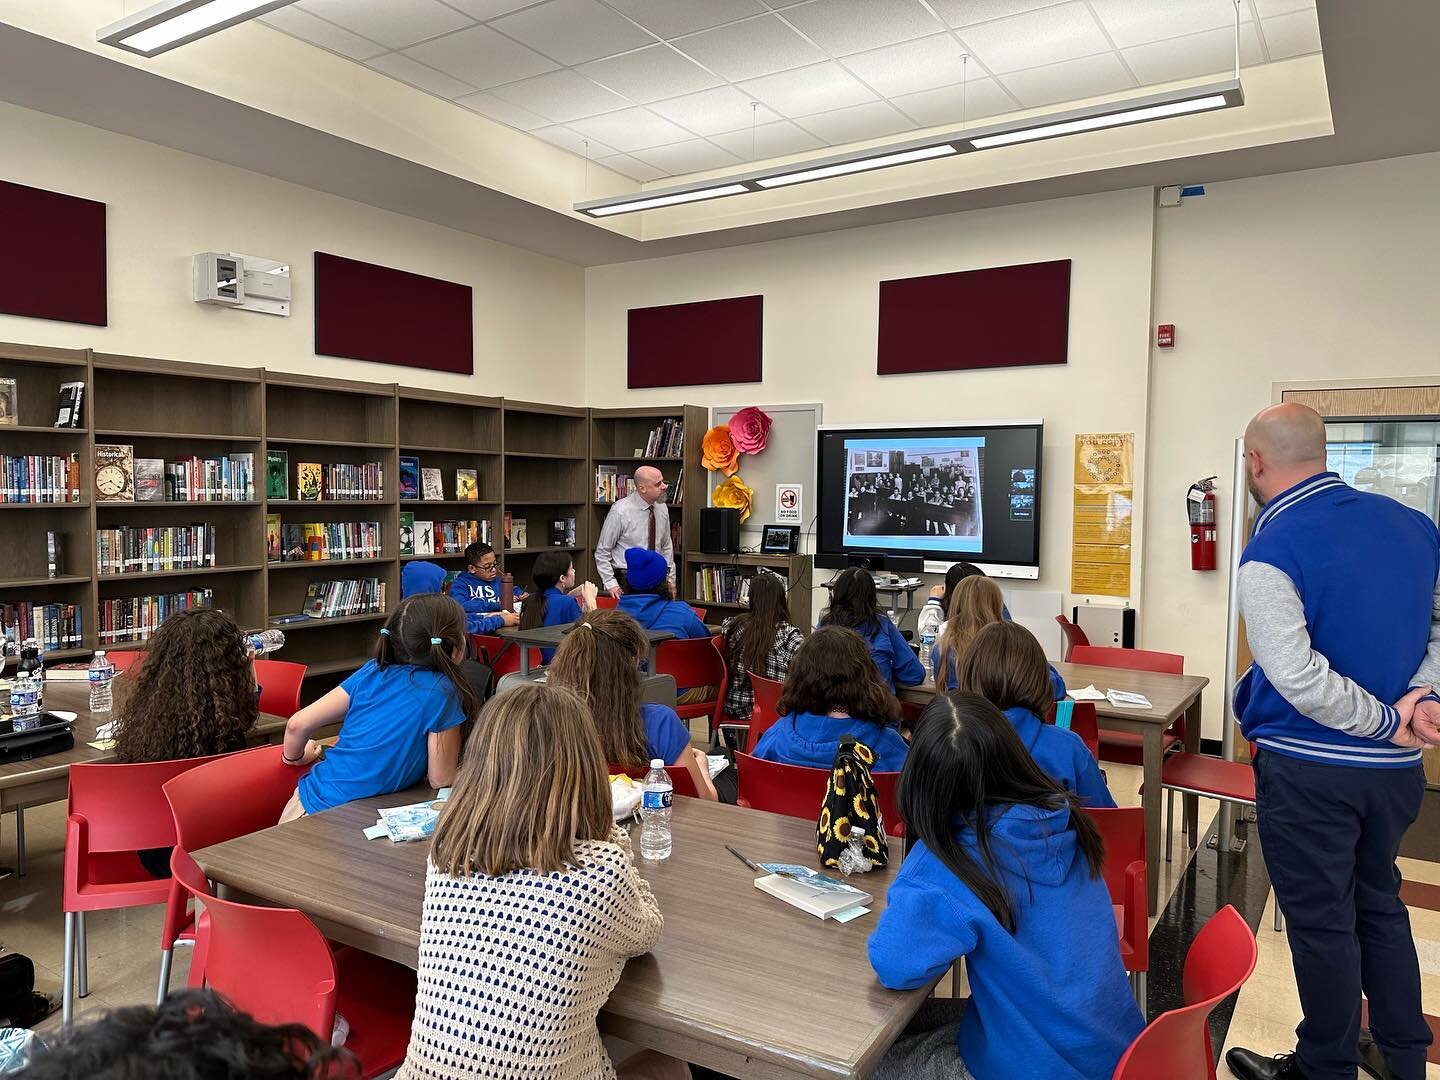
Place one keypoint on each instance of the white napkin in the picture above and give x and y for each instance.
(1087, 693)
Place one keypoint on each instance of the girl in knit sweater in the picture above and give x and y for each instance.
(510, 982)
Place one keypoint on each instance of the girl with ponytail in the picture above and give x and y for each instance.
(401, 714)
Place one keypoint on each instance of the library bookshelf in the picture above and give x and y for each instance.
(795, 569)
(546, 479)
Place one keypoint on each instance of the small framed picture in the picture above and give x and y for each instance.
(780, 540)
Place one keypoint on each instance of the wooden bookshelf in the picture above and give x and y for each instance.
(794, 568)
(546, 477)
(451, 432)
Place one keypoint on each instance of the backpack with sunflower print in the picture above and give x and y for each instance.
(851, 802)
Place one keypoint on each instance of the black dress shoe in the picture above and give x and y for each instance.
(1248, 1065)
(1372, 1058)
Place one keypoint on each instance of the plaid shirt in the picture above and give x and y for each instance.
(739, 695)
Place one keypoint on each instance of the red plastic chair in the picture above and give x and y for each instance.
(114, 811)
(279, 686)
(1083, 722)
(1071, 636)
(126, 661)
(798, 791)
(237, 795)
(487, 647)
(699, 612)
(275, 965)
(680, 779)
(1124, 747)
(1123, 830)
(1176, 1044)
(765, 710)
(696, 662)
(605, 600)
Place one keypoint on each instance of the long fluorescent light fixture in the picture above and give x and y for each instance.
(1196, 99)
(172, 23)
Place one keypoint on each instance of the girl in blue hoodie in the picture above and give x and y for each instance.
(1006, 874)
(833, 689)
(1006, 665)
(853, 604)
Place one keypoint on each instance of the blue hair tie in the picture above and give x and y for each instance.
(384, 632)
(435, 641)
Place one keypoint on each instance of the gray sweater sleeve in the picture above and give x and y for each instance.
(1280, 642)
(1429, 673)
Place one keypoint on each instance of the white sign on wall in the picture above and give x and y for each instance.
(788, 500)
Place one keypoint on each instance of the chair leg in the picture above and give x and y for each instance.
(1279, 918)
(1140, 989)
(166, 956)
(67, 978)
(1169, 823)
(82, 982)
(20, 840)
(955, 980)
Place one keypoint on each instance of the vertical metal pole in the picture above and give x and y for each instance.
(1239, 523)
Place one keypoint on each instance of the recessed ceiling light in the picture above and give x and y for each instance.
(171, 23)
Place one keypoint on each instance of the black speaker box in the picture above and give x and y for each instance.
(720, 530)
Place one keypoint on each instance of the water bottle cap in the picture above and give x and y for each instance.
(657, 763)
(99, 652)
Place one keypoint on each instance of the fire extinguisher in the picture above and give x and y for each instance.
(1200, 504)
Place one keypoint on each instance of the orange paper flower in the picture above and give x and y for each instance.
(717, 451)
(734, 493)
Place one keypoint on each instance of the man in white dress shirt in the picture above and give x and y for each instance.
(641, 519)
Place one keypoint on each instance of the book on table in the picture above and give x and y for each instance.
(819, 894)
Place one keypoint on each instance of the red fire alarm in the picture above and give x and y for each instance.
(1165, 335)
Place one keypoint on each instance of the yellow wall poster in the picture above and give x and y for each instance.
(1103, 510)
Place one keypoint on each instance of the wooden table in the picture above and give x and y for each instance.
(739, 982)
(548, 637)
(1171, 697)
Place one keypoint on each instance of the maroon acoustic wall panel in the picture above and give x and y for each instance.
(1005, 316)
(369, 312)
(710, 341)
(52, 255)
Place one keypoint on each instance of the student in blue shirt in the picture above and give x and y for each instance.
(421, 576)
(647, 596)
(1006, 665)
(477, 590)
(600, 661)
(975, 604)
(833, 689)
(400, 714)
(556, 601)
(1006, 875)
(853, 604)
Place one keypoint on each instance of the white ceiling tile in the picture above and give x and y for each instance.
(694, 155)
(573, 31)
(481, 57)
(671, 18)
(969, 12)
(1210, 53)
(566, 139)
(1291, 35)
(396, 23)
(771, 140)
(813, 89)
(912, 66)
(1070, 81)
(502, 111)
(950, 106)
(631, 129)
(301, 24)
(1267, 8)
(859, 122)
(650, 74)
(489, 9)
(710, 111)
(1039, 37)
(841, 27)
(634, 168)
(399, 66)
(1135, 22)
(561, 96)
(749, 49)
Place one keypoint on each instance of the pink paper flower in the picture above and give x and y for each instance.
(749, 430)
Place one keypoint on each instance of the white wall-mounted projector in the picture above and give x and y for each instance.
(247, 282)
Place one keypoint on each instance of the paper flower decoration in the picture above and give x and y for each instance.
(717, 451)
(734, 493)
(749, 430)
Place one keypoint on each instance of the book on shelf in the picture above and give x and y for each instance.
(332, 541)
(114, 473)
(557, 532)
(467, 485)
(666, 440)
(308, 482)
(68, 407)
(424, 538)
(407, 532)
(135, 549)
(409, 477)
(135, 618)
(37, 478)
(9, 403)
(277, 474)
(431, 487)
(676, 495)
(520, 533)
(292, 543)
(57, 626)
(149, 479)
(569, 532)
(337, 599)
(353, 482)
(272, 538)
(54, 555)
(212, 479)
(453, 537)
(448, 580)
(722, 585)
(507, 528)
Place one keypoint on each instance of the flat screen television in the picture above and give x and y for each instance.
(931, 493)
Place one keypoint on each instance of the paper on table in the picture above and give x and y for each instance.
(1087, 693)
(374, 832)
(103, 745)
(1124, 699)
(850, 913)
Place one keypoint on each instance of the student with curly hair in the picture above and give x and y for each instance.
(834, 690)
(853, 604)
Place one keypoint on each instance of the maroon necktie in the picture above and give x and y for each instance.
(650, 533)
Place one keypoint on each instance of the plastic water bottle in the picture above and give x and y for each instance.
(853, 859)
(31, 675)
(655, 813)
(265, 641)
(102, 679)
(928, 625)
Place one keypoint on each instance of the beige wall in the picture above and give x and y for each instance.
(164, 206)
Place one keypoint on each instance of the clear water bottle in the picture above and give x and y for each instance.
(655, 813)
(32, 672)
(102, 683)
(853, 859)
(928, 627)
(265, 641)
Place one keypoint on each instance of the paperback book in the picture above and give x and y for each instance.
(67, 410)
(149, 479)
(409, 477)
(432, 489)
(9, 404)
(466, 485)
(407, 532)
(114, 473)
(424, 538)
(277, 474)
(308, 482)
(272, 537)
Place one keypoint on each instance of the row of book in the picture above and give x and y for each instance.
(667, 440)
(336, 599)
(120, 476)
(139, 549)
(428, 484)
(39, 478)
(58, 626)
(722, 585)
(313, 541)
(67, 412)
(612, 485)
(440, 537)
(340, 481)
(135, 618)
